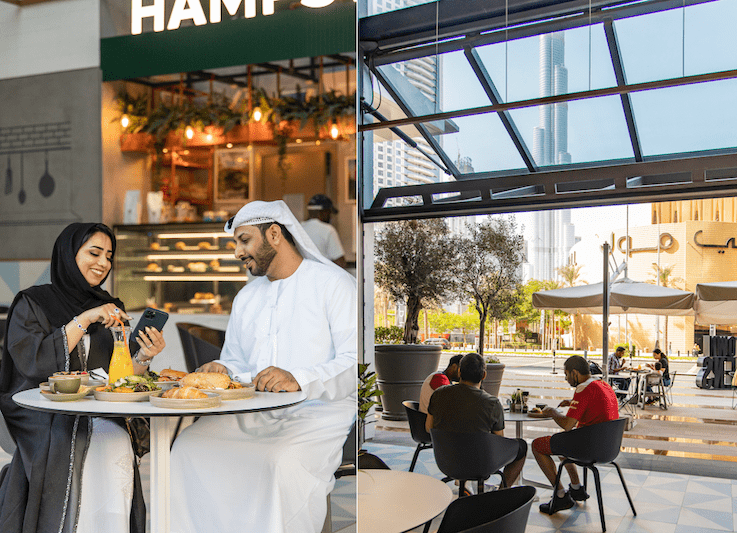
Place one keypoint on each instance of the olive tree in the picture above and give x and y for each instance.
(489, 269)
(415, 263)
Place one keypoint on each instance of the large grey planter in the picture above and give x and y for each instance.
(400, 371)
(493, 380)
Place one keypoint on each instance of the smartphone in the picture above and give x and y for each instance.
(150, 317)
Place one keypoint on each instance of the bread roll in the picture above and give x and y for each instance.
(184, 393)
(206, 380)
(175, 375)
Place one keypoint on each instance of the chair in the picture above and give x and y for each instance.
(504, 510)
(588, 446)
(654, 381)
(347, 468)
(200, 344)
(472, 456)
(187, 345)
(416, 420)
(669, 389)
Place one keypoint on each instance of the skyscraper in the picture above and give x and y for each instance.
(552, 234)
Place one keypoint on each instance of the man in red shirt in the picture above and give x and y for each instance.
(594, 401)
(438, 379)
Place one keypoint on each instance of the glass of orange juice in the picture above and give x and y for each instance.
(121, 364)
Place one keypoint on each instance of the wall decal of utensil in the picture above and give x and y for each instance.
(46, 185)
(22, 193)
(8, 179)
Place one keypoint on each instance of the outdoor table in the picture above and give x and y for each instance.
(519, 419)
(162, 423)
(392, 501)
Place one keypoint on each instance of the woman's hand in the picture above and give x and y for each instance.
(104, 314)
(151, 342)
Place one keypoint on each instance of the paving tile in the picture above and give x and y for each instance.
(636, 524)
(660, 495)
(704, 486)
(706, 519)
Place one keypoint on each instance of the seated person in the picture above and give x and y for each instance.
(615, 364)
(593, 402)
(438, 379)
(466, 408)
(660, 365)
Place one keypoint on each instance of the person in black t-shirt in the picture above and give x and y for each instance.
(661, 365)
(466, 408)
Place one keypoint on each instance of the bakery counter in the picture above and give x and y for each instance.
(172, 355)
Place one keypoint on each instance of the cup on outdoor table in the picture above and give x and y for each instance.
(65, 384)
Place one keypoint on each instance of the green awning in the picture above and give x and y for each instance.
(288, 34)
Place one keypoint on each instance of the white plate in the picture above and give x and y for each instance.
(166, 385)
(234, 394)
(123, 396)
(213, 400)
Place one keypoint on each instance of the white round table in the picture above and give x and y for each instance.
(162, 422)
(392, 501)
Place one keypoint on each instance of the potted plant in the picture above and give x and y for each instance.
(415, 261)
(494, 372)
(367, 394)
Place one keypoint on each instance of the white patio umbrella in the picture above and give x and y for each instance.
(716, 303)
(626, 296)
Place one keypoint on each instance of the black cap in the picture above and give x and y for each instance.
(320, 202)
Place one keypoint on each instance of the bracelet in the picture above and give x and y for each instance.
(137, 358)
(78, 324)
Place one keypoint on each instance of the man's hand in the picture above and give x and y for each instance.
(273, 379)
(213, 366)
(564, 403)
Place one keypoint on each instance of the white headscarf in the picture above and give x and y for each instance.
(258, 212)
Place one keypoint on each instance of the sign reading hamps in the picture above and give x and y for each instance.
(192, 10)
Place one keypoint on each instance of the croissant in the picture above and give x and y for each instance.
(206, 380)
(184, 393)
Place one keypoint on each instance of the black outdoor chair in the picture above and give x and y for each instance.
(187, 345)
(587, 447)
(200, 344)
(504, 510)
(472, 456)
(416, 420)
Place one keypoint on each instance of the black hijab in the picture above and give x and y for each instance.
(69, 294)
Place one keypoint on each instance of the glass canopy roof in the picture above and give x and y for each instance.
(567, 103)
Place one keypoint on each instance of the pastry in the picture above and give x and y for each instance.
(204, 245)
(199, 266)
(184, 393)
(206, 380)
(230, 245)
(180, 245)
(153, 267)
(174, 375)
(155, 246)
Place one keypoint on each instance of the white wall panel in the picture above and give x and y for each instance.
(49, 37)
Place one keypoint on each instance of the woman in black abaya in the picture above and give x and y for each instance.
(69, 473)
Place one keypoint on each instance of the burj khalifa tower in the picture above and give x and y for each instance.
(552, 232)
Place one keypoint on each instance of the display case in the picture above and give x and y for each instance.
(182, 268)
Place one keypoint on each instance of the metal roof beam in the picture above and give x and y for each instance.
(555, 99)
(700, 176)
(493, 95)
(389, 79)
(614, 52)
(498, 28)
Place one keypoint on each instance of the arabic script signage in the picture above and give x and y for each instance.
(729, 244)
(719, 357)
(666, 242)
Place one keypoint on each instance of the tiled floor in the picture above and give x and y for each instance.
(665, 503)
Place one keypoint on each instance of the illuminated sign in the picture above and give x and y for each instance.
(192, 10)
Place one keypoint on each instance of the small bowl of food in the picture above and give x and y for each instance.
(541, 406)
(83, 375)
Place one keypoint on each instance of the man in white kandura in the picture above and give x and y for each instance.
(293, 328)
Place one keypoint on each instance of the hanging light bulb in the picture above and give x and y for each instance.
(257, 114)
(124, 121)
(317, 142)
(229, 145)
(334, 131)
(189, 132)
(209, 137)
